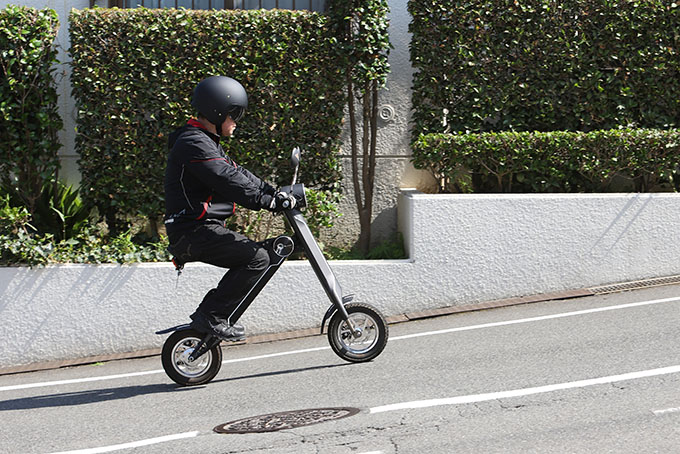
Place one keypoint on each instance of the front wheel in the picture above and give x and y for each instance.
(175, 358)
(367, 342)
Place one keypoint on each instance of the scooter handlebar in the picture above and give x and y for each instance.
(298, 191)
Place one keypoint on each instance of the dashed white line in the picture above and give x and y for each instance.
(134, 444)
(666, 411)
(274, 355)
(76, 380)
(149, 372)
(474, 398)
(395, 338)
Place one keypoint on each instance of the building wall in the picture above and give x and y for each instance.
(394, 169)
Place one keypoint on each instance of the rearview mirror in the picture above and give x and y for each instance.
(295, 162)
(295, 157)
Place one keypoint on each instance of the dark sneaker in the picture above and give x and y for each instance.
(229, 333)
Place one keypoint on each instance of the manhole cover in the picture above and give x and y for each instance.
(285, 420)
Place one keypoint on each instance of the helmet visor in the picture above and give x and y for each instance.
(237, 113)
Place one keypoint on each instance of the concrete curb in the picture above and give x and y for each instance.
(264, 338)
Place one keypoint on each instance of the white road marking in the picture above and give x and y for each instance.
(274, 355)
(134, 444)
(539, 318)
(149, 372)
(150, 441)
(308, 350)
(474, 398)
(76, 380)
(666, 411)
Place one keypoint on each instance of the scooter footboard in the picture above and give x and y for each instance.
(173, 329)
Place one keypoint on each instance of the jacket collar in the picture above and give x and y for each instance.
(197, 124)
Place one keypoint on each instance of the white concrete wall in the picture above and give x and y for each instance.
(463, 249)
(489, 246)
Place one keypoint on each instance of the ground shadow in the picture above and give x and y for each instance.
(126, 392)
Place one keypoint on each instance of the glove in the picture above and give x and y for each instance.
(282, 201)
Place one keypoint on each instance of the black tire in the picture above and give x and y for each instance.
(176, 351)
(372, 340)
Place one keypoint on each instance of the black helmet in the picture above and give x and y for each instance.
(217, 97)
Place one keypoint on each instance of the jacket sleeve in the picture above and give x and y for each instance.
(264, 186)
(229, 180)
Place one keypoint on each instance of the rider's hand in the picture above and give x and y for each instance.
(282, 201)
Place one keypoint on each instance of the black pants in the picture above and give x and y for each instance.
(214, 244)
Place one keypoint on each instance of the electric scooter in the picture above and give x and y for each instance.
(357, 332)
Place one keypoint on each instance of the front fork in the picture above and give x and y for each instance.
(304, 237)
(209, 341)
(356, 331)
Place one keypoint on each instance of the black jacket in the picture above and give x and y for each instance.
(203, 184)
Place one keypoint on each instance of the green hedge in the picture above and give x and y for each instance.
(29, 120)
(545, 65)
(597, 161)
(133, 73)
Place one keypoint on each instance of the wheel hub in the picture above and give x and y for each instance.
(185, 357)
(185, 365)
(361, 335)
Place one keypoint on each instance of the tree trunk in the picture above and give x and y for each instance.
(368, 164)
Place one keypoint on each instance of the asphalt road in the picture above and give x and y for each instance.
(596, 374)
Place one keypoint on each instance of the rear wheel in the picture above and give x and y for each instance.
(175, 358)
(364, 344)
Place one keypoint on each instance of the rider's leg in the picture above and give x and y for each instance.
(247, 260)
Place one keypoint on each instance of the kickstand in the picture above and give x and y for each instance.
(179, 267)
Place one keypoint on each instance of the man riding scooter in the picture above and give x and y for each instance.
(203, 185)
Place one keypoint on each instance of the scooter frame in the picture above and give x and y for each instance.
(320, 266)
(280, 248)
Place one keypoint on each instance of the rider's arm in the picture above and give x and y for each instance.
(229, 180)
(263, 185)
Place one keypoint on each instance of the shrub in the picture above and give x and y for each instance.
(29, 120)
(133, 73)
(550, 161)
(544, 65)
(22, 244)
